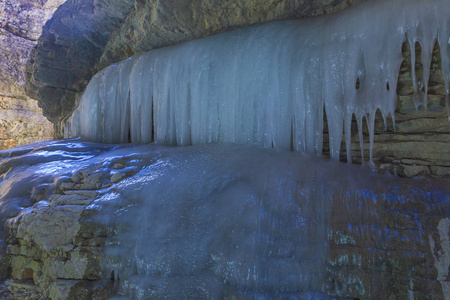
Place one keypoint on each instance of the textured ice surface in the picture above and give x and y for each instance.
(268, 84)
(225, 220)
(216, 221)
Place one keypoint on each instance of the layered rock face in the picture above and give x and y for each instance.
(22, 122)
(419, 143)
(21, 24)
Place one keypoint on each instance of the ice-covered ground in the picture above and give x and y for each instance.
(224, 220)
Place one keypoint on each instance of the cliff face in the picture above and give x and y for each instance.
(21, 24)
(22, 122)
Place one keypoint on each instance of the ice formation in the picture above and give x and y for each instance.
(219, 221)
(268, 84)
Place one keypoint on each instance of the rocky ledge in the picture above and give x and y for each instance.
(89, 221)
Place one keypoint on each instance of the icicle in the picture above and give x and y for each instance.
(371, 125)
(393, 122)
(416, 93)
(268, 84)
(141, 100)
(444, 41)
(384, 121)
(348, 138)
(359, 121)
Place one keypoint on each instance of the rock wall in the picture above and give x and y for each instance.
(420, 142)
(22, 122)
(51, 248)
(21, 24)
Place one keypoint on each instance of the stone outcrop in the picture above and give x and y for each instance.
(62, 63)
(21, 22)
(54, 248)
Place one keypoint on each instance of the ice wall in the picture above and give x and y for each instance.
(268, 84)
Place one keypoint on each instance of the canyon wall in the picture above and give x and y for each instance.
(57, 243)
(21, 120)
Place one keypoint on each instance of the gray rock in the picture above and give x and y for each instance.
(117, 177)
(21, 24)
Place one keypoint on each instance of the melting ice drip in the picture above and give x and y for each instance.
(267, 84)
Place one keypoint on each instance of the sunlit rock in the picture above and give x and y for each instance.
(21, 120)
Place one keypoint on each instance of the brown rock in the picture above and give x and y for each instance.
(22, 122)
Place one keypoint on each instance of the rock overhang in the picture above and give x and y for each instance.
(86, 36)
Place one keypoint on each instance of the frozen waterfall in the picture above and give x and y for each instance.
(216, 221)
(268, 84)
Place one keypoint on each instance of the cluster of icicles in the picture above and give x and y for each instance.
(267, 84)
